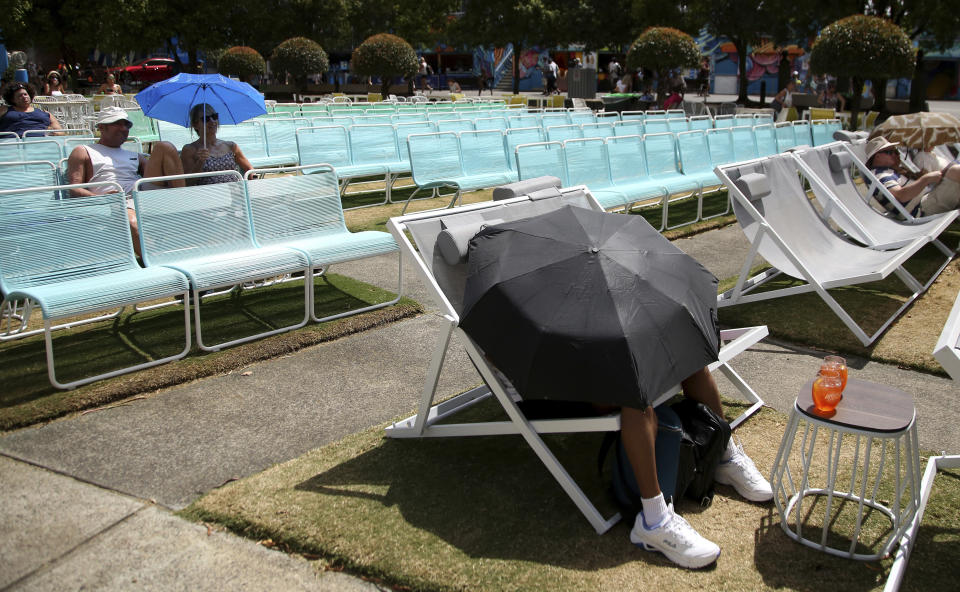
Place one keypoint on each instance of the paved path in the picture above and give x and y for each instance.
(86, 500)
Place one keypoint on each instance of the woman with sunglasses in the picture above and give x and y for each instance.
(52, 85)
(20, 115)
(210, 153)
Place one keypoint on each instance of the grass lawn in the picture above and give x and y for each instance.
(805, 319)
(28, 397)
(441, 514)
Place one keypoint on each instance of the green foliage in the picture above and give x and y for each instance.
(300, 57)
(242, 61)
(863, 46)
(386, 56)
(662, 49)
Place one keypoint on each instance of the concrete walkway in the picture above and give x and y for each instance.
(87, 500)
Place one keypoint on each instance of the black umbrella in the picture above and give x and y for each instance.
(579, 305)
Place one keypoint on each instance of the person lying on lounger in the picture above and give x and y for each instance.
(932, 192)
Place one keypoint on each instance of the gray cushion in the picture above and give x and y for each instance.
(453, 241)
(754, 186)
(525, 187)
(839, 162)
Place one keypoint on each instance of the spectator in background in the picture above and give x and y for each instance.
(703, 78)
(623, 84)
(110, 86)
(831, 99)
(19, 115)
(552, 72)
(613, 72)
(424, 71)
(53, 84)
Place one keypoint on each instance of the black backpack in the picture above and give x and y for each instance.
(691, 440)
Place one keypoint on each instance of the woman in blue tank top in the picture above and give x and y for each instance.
(20, 115)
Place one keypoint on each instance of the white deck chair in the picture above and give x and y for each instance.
(827, 169)
(429, 230)
(783, 227)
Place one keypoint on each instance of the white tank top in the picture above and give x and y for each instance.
(113, 164)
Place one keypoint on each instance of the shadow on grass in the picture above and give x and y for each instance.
(807, 320)
(135, 338)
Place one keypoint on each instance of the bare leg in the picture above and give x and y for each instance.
(701, 387)
(134, 231)
(164, 161)
(638, 430)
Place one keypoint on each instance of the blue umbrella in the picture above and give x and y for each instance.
(172, 99)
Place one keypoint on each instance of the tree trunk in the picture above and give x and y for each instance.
(742, 70)
(516, 68)
(879, 95)
(918, 89)
(661, 86)
(384, 87)
(855, 102)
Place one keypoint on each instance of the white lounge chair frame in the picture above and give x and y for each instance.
(769, 243)
(425, 423)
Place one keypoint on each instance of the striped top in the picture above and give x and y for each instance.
(890, 179)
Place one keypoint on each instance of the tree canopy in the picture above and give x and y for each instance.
(386, 56)
(300, 57)
(242, 61)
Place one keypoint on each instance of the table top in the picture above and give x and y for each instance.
(865, 406)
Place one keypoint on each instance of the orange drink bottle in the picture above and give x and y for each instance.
(827, 392)
(836, 366)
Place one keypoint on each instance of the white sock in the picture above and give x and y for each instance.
(731, 448)
(654, 510)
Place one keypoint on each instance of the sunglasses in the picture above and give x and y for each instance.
(212, 117)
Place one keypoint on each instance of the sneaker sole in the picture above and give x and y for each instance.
(752, 496)
(681, 560)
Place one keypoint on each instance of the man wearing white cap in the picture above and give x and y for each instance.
(108, 161)
(914, 195)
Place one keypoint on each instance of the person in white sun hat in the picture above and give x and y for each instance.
(931, 192)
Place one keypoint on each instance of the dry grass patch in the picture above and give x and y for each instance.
(484, 514)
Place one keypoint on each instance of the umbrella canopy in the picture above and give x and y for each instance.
(922, 130)
(579, 305)
(171, 99)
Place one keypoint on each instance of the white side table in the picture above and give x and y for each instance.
(871, 477)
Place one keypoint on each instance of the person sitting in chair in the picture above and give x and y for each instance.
(657, 527)
(107, 160)
(931, 192)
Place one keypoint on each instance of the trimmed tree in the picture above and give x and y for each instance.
(862, 47)
(300, 57)
(662, 49)
(243, 62)
(386, 56)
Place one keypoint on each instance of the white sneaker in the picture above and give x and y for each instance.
(675, 538)
(742, 474)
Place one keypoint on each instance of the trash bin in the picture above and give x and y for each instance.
(20, 75)
(582, 83)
